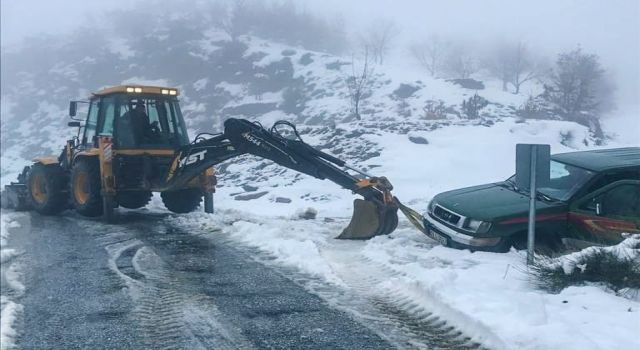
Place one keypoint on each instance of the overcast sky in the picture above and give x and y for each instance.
(610, 28)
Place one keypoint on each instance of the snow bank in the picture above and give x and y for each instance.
(9, 315)
(488, 296)
(12, 288)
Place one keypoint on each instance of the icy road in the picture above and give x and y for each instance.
(150, 282)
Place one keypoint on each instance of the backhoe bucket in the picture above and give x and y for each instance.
(370, 219)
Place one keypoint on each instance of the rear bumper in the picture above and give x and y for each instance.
(458, 240)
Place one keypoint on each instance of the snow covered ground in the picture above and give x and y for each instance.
(486, 295)
(12, 288)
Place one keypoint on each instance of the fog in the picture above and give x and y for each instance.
(610, 29)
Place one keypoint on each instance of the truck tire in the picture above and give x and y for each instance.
(85, 185)
(46, 187)
(133, 199)
(182, 201)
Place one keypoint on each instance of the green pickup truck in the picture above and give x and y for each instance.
(593, 198)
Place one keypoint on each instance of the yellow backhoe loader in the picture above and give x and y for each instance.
(133, 142)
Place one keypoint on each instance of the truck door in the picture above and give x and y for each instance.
(602, 216)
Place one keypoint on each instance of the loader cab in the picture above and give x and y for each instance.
(137, 117)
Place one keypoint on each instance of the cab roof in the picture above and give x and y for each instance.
(137, 89)
(602, 159)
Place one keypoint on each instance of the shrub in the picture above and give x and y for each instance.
(616, 267)
(471, 107)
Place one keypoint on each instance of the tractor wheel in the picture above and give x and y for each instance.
(182, 201)
(134, 199)
(85, 187)
(46, 186)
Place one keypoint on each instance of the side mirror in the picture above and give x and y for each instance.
(73, 106)
(74, 124)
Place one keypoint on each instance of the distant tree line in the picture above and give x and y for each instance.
(575, 87)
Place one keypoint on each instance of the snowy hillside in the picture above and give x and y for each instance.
(421, 152)
(412, 129)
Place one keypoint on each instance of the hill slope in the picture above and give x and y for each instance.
(398, 135)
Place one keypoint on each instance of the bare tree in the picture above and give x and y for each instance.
(514, 65)
(378, 39)
(500, 64)
(523, 67)
(430, 53)
(359, 83)
(461, 63)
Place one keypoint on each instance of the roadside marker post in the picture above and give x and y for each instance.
(533, 167)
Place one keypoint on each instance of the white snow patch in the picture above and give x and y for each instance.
(12, 287)
(9, 314)
(120, 47)
(200, 84)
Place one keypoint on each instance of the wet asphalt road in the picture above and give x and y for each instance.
(146, 284)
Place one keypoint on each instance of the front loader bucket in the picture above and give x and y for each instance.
(14, 196)
(370, 219)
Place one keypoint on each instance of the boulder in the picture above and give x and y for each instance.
(250, 196)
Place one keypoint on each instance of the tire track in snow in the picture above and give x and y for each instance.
(169, 316)
(382, 299)
(405, 321)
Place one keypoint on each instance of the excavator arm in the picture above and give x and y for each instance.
(375, 214)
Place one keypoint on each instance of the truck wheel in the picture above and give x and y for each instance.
(545, 244)
(85, 187)
(46, 186)
(133, 199)
(182, 201)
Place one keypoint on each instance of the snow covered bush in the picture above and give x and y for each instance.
(472, 106)
(616, 267)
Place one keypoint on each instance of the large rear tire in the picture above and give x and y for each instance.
(46, 186)
(133, 199)
(182, 201)
(85, 186)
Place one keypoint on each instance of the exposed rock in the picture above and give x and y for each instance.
(471, 84)
(283, 200)
(336, 65)
(250, 196)
(405, 91)
(419, 140)
(306, 59)
(288, 52)
(308, 214)
(249, 188)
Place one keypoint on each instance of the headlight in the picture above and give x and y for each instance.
(478, 226)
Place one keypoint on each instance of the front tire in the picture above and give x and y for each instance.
(85, 186)
(182, 201)
(46, 186)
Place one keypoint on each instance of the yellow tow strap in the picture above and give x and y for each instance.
(414, 217)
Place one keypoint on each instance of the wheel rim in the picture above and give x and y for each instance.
(38, 189)
(81, 188)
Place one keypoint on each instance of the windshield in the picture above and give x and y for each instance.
(565, 180)
(144, 121)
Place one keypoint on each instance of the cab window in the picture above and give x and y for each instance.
(621, 201)
(613, 177)
(108, 113)
(148, 121)
(91, 124)
(565, 180)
